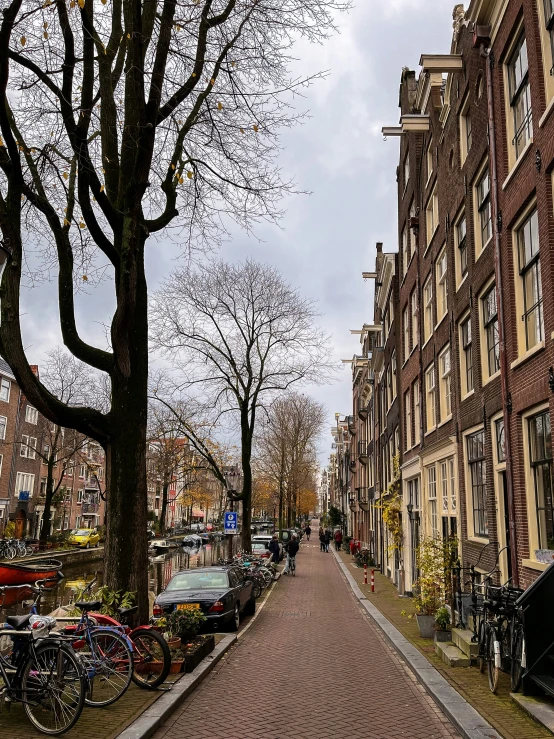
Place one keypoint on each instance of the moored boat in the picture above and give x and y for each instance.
(20, 574)
(160, 546)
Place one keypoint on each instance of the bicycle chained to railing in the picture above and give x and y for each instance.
(12, 548)
(40, 669)
(497, 623)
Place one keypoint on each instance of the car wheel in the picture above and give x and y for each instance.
(87, 545)
(235, 621)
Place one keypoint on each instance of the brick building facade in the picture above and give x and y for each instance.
(475, 318)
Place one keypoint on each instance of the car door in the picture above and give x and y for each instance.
(244, 587)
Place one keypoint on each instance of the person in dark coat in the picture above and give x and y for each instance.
(327, 539)
(308, 531)
(274, 548)
(321, 540)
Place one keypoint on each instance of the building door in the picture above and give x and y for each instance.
(20, 522)
(414, 525)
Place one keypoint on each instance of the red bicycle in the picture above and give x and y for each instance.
(151, 654)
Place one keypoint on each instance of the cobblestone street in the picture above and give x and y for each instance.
(311, 665)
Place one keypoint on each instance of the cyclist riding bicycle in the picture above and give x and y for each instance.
(291, 549)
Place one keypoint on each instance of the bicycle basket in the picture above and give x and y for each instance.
(41, 626)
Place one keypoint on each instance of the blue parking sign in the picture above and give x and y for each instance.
(231, 522)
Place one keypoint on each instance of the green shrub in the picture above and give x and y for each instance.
(184, 622)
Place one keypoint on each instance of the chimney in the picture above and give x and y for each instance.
(379, 246)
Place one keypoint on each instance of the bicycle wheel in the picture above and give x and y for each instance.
(151, 658)
(10, 553)
(493, 670)
(518, 661)
(108, 662)
(29, 551)
(481, 641)
(54, 687)
(256, 588)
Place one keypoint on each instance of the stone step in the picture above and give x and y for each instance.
(538, 708)
(462, 639)
(451, 655)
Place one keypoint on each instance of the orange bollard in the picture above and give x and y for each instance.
(365, 574)
(372, 581)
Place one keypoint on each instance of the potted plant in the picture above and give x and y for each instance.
(185, 624)
(442, 624)
(430, 585)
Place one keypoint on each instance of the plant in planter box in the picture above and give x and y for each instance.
(185, 624)
(442, 624)
(430, 585)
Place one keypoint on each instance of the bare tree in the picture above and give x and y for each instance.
(286, 450)
(243, 336)
(119, 121)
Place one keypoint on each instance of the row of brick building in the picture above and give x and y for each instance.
(454, 378)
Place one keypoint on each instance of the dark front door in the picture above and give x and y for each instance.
(20, 521)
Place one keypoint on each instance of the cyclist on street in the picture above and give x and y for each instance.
(308, 531)
(291, 549)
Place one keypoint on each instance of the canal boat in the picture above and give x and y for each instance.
(20, 574)
(159, 546)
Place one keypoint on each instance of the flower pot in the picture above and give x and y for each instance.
(174, 642)
(442, 636)
(426, 625)
(156, 667)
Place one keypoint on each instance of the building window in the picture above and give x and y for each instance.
(432, 497)
(1, 460)
(24, 483)
(432, 215)
(466, 356)
(413, 304)
(405, 250)
(444, 487)
(446, 384)
(31, 415)
(406, 170)
(5, 386)
(490, 324)
(461, 245)
(3, 424)
(417, 413)
(428, 308)
(393, 375)
(406, 326)
(430, 417)
(453, 496)
(546, 14)
(530, 274)
(408, 416)
(477, 472)
(82, 471)
(429, 158)
(442, 288)
(28, 447)
(465, 129)
(80, 496)
(520, 97)
(411, 238)
(540, 444)
(483, 190)
(500, 441)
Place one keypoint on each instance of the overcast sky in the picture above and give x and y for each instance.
(328, 237)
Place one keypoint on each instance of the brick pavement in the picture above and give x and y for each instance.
(499, 710)
(311, 665)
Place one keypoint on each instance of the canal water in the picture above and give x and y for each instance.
(160, 571)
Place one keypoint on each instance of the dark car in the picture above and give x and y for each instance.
(222, 594)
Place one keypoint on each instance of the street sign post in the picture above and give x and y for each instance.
(231, 522)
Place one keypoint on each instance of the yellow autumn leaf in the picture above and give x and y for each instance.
(232, 64)
(101, 188)
(219, 106)
(72, 4)
(241, 130)
(23, 40)
(81, 3)
(128, 35)
(45, 34)
(212, 81)
(65, 222)
(194, 74)
(103, 170)
(104, 2)
(181, 180)
(255, 128)
(82, 225)
(1, 141)
(45, 25)
(65, 175)
(189, 175)
(172, 166)
(85, 278)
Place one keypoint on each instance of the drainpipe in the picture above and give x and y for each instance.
(501, 322)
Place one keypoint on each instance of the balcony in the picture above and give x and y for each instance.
(363, 499)
(362, 452)
(352, 465)
(351, 424)
(363, 411)
(352, 502)
(90, 508)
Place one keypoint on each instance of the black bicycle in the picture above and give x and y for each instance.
(41, 670)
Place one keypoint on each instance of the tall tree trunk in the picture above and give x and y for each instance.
(46, 516)
(281, 495)
(163, 513)
(246, 458)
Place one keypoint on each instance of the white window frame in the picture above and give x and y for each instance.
(519, 112)
(417, 412)
(430, 399)
(31, 415)
(441, 270)
(525, 233)
(464, 344)
(466, 126)
(431, 482)
(445, 368)
(546, 23)
(432, 215)
(461, 245)
(408, 417)
(406, 332)
(428, 308)
(405, 241)
(406, 170)
(486, 325)
(482, 209)
(1, 462)
(429, 159)
(5, 384)
(3, 427)
(414, 311)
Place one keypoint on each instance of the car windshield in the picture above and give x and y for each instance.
(258, 545)
(198, 581)
(81, 532)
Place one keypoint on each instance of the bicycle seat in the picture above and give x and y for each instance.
(90, 605)
(127, 611)
(18, 622)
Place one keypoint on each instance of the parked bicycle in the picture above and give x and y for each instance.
(40, 670)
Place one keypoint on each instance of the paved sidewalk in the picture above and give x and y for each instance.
(311, 665)
(499, 710)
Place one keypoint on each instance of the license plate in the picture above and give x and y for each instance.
(188, 606)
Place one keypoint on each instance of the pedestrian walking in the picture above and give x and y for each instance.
(275, 549)
(321, 540)
(291, 549)
(338, 539)
(308, 531)
(327, 539)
